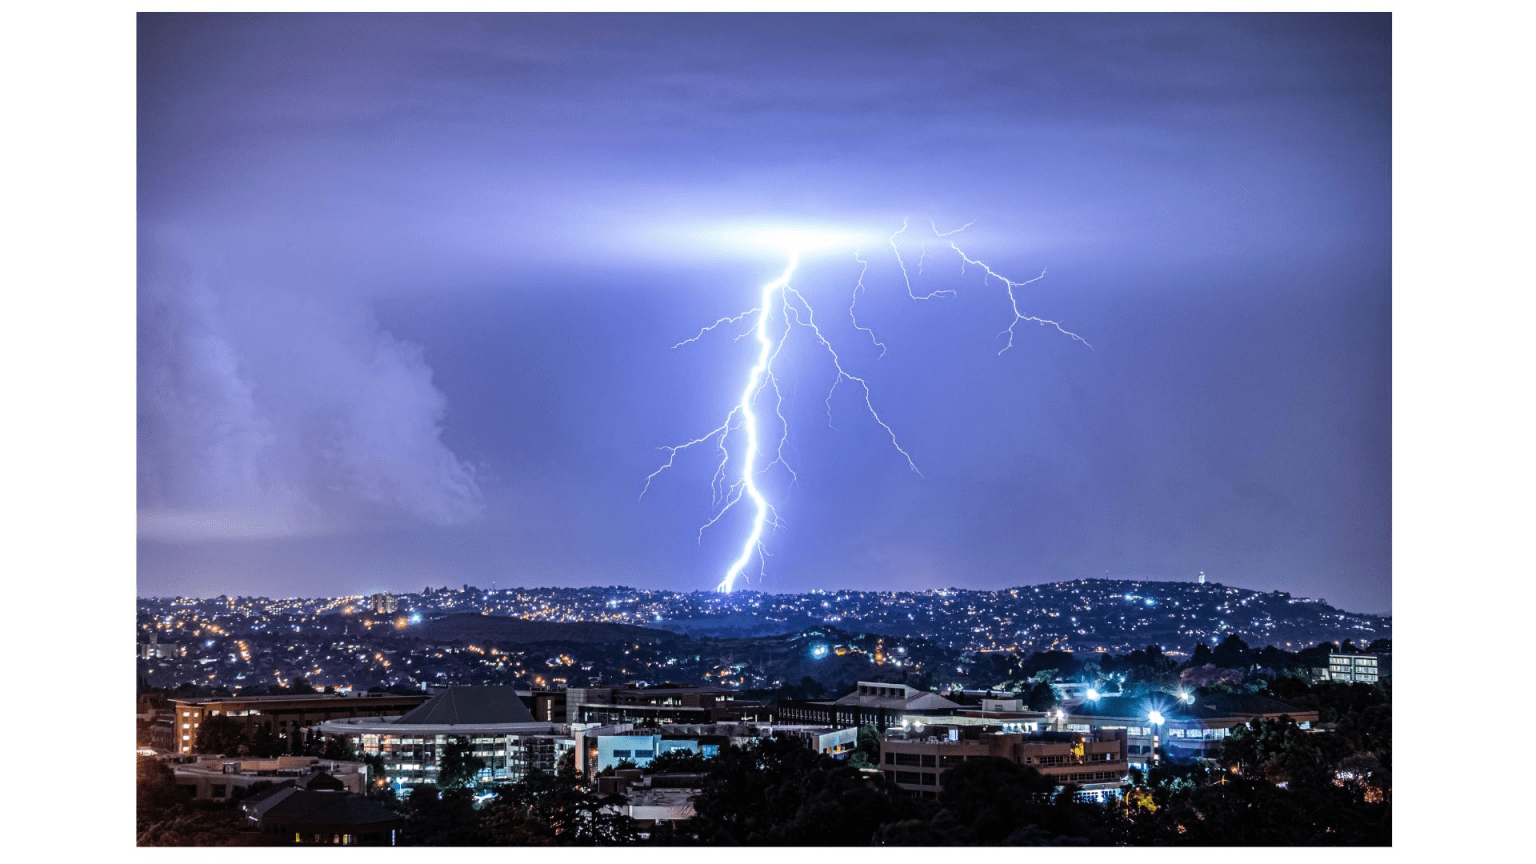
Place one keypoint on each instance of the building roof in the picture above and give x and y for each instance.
(469, 705)
(318, 780)
(290, 805)
(898, 697)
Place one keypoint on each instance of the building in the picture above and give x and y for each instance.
(655, 705)
(154, 649)
(309, 817)
(216, 778)
(383, 604)
(916, 758)
(283, 716)
(494, 719)
(872, 704)
(1184, 729)
(549, 705)
(615, 745)
(651, 799)
(1354, 668)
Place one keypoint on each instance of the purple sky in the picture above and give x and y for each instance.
(408, 286)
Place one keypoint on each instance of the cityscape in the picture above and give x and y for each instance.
(431, 638)
(764, 429)
(482, 717)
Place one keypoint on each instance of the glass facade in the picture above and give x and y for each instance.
(412, 760)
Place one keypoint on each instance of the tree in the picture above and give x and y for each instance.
(1281, 752)
(340, 748)
(1202, 655)
(157, 789)
(458, 765)
(1042, 697)
(446, 818)
(1232, 653)
(1209, 676)
(221, 734)
(678, 762)
(264, 744)
(866, 753)
(751, 789)
(546, 809)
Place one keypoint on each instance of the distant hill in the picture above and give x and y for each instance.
(738, 624)
(471, 627)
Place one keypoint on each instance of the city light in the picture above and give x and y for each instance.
(1155, 717)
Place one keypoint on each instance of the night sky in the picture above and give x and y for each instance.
(408, 288)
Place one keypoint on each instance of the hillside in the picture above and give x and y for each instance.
(501, 629)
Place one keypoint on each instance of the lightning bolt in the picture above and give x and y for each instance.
(781, 309)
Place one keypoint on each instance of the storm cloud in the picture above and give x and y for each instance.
(408, 286)
(267, 411)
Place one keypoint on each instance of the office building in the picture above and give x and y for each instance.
(493, 719)
(915, 758)
(1184, 729)
(283, 716)
(1354, 668)
(872, 703)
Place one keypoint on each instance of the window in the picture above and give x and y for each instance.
(928, 761)
(218, 790)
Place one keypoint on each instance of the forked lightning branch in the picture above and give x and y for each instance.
(740, 453)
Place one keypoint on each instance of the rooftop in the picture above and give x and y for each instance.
(469, 706)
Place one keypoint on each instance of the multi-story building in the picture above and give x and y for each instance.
(872, 704)
(1184, 728)
(916, 758)
(653, 706)
(1361, 668)
(154, 649)
(493, 719)
(383, 604)
(549, 705)
(641, 746)
(283, 716)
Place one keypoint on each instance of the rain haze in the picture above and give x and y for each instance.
(410, 285)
